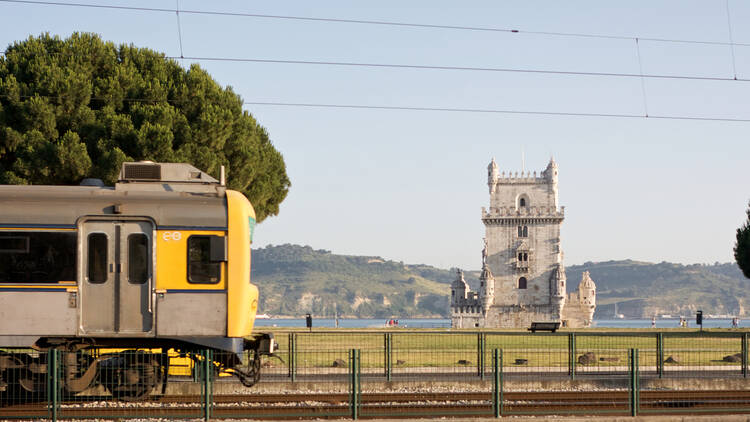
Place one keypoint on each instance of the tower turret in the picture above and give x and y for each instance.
(587, 295)
(493, 174)
(550, 174)
(486, 282)
(557, 288)
(486, 288)
(459, 289)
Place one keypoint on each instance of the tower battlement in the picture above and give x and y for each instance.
(526, 178)
(495, 212)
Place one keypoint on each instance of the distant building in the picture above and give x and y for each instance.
(523, 277)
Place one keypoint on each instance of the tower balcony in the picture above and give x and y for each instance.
(504, 215)
(522, 266)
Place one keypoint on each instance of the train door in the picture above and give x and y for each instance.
(116, 278)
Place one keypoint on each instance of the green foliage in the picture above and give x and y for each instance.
(742, 247)
(80, 107)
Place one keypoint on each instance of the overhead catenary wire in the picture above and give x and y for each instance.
(640, 75)
(500, 111)
(461, 68)
(425, 108)
(378, 22)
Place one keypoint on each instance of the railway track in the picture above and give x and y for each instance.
(321, 405)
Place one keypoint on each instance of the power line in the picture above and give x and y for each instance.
(497, 111)
(420, 108)
(460, 68)
(381, 23)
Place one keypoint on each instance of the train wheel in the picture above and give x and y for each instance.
(133, 376)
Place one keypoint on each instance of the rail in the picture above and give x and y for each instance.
(399, 373)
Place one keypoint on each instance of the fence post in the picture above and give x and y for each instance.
(572, 355)
(634, 396)
(388, 355)
(354, 385)
(480, 355)
(293, 356)
(53, 383)
(744, 355)
(207, 385)
(497, 385)
(660, 354)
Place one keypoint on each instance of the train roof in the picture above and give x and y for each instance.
(173, 195)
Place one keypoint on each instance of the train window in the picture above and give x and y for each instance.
(97, 258)
(201, 269)
(37, 257)
(138, 258)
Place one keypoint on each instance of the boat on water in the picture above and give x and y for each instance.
(262, 316)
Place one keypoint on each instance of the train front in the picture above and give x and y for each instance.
(242, 295)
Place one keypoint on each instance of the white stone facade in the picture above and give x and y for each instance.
(523, 277)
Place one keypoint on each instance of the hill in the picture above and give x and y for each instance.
(643, 289)
(295, 280)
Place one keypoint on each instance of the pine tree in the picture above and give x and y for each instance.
(80, 107)
(742, 246)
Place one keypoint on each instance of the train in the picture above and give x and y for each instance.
(158, 263)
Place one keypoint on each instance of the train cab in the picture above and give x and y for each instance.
(161, 259)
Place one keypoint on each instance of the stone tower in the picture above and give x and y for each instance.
(523, 276)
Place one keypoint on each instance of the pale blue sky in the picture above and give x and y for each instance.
(409, 185)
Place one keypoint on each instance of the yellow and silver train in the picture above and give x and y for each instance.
(159, 261)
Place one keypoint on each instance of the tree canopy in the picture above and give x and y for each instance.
(742, 246)
(80, 107)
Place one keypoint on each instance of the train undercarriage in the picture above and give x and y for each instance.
(129, 369)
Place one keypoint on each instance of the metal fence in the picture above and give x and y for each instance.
(395, 373)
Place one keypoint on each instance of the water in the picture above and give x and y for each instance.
(355, 323)
(446, 323)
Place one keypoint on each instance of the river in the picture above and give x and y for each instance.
(446, 323)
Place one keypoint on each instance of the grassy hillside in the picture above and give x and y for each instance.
(295, 280)
(643, 289)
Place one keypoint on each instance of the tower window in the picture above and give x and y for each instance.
(522, 283)
(522, 202)
(523, 231)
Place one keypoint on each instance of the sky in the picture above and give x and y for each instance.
(409, 185)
